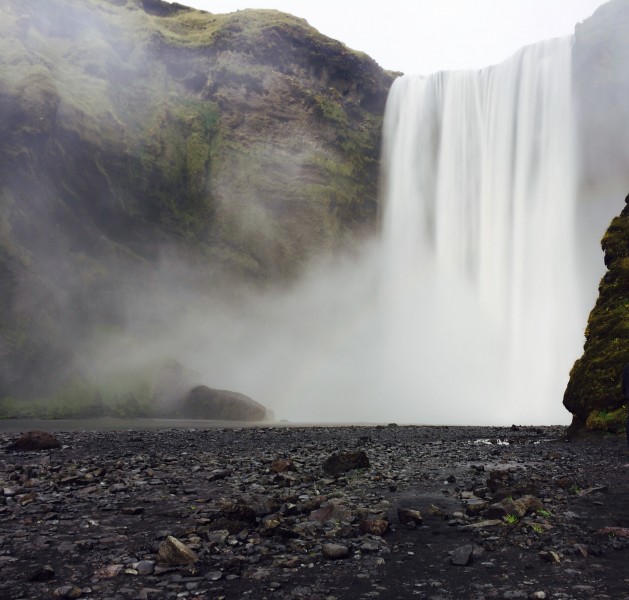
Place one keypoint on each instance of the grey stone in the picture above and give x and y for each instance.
(173, 552)
(462, 556)
(335, 551)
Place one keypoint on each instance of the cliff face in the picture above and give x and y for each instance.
(593, 394)
(141, 140)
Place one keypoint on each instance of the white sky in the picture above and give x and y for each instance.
(423, 36)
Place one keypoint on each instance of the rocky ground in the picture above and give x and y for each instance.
(439, 512)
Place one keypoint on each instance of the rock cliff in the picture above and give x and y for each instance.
(593, 394)
(142, 141)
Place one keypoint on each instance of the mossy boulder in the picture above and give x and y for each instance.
(220, 405)
(593, 394)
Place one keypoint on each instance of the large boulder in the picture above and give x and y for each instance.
(203, 402)
(593, 394)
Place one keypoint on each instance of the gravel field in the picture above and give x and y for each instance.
(315, 513)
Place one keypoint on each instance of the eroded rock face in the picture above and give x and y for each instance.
(203, 402)
(593, 394)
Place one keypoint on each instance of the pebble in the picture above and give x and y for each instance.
(335, 551)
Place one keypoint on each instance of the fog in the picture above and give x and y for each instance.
(330, 348)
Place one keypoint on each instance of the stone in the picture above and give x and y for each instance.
(520, 507)
(550, 556)
(482, 524)
(281, 465)
(217, 537)
(333, 510)
(144, 567)
(108, 571)
(132, 510)
(35, 440)
(374, 526)
(407, 515)
(342, 462)
(219, 474)
(68, 591)
(475, 505)
(116, 488)
(172, 552)
(45, 573)
(462, 556)
(335, 551)
(269, 524)
(203, 402)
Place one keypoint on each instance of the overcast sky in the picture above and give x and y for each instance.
(423, 36)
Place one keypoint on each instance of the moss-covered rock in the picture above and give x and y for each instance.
(593, 394)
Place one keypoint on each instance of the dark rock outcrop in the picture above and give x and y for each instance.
(593, 394)
(203, 402)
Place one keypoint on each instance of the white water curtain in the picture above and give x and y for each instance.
(479, 280)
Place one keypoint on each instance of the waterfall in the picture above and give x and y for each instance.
(479, 286)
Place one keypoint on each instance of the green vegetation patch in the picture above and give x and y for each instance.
(611, 421)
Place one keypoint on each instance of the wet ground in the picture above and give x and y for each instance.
(440, 512)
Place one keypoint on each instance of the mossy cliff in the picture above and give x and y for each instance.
(138, 137)
(593, 394)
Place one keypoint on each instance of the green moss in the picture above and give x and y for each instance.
(191, 131)
(594, 385)
(611, 421)
(331, 110)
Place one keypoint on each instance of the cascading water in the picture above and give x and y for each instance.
(465, 311)
(479, 283)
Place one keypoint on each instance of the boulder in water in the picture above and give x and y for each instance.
(203, 402)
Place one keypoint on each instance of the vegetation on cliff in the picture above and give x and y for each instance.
(145, 144)
(593, 394)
